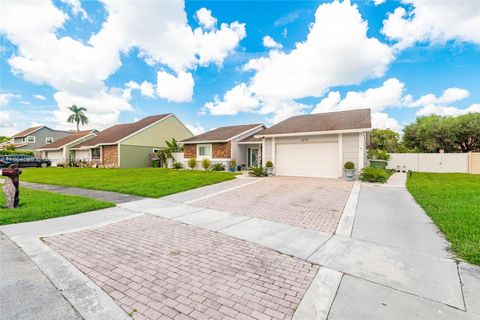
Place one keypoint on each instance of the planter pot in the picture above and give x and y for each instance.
(231, 169)
(379, 164)
(269, 171)
(349, 174)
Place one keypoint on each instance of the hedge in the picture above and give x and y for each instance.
(9, 152)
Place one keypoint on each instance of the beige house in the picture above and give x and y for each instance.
(129, 145)
(317, 145)
(59, 150)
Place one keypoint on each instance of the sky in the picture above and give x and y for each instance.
(218, 63)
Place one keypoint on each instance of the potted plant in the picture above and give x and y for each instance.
(232, 165)
(269, 166)
(378, 158)
(349, 170)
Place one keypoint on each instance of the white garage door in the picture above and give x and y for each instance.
(55, 157)
(307, 159)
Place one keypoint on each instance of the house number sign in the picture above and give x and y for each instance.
(304, 140)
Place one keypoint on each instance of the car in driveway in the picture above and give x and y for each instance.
(24, 161)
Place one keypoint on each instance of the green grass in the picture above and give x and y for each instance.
(38, 205)
(452, 200)
(147, 182)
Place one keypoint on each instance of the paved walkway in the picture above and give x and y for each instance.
(113, 197)
(25, 290)
(370, 275)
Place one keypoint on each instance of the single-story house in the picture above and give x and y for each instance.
(129, 145)
(317, 145)
(36, 137)
(226, 143)
(59, 150)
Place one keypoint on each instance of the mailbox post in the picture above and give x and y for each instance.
(11, 188)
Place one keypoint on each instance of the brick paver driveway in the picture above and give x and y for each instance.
(163, 269)
(310, 203)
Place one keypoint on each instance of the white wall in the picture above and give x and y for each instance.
(430, 162)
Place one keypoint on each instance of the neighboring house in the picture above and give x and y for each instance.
(129, 145)
(36, 137)
(317, 145)
(59, 150)
(226, 143)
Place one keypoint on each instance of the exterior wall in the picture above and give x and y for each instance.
(82, 155)
(221, 150)
(189, 151)
(268, 150)
(134, 156)
(430, 162)
(238, 150)
(40, 136)
(350, 150)
(156, 135)
(110, 156)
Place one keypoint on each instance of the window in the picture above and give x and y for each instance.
(96, 154)
(31, 139)
(155, 150)
(48, 140)
(205, 150)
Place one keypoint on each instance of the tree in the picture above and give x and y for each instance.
(173, 146)
(78, 116)
(385, 139)
(450, 134)
(4, 139)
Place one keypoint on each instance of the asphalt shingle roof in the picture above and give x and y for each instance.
(329, 121)
(120, 131)
(222, 134)
(57, 144)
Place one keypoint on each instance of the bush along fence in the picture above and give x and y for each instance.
(12, 152)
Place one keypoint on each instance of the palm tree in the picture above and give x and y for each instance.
(78, 116)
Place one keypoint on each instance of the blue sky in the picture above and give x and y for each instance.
(210, 63)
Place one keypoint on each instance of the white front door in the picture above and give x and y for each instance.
(307, 159)
(253, 155)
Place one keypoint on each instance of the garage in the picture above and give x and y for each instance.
(54, 156)
(307, 159)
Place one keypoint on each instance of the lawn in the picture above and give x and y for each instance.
(452, 200)
(39, 205)
(147, 182)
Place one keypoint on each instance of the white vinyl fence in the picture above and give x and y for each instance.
(430, 162)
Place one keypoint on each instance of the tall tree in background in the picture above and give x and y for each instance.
(385, 140)
(78, 116)
(450, 134)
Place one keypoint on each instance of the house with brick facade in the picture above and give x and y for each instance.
(226, 143)
(128, 145)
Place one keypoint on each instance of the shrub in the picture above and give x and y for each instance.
(192, 163)
(9, 152)
(232, 164)
(269, 164)
(257, 171)
(376, 154)
(218, 167)
(155, 163)
(349, 165)
(177, 165)
(371, 174)
(206, 163)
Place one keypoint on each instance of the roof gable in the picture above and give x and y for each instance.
(60, 143)
(222, 133)
(118, 132)
(320, 122)
(27, 132)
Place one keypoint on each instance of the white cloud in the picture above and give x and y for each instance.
(382, 120)
(196, 129)
(449, 95)
(433, 21)
(177, 89)
(7, 126)
(205, 18)
(6, 97)
(39, 97)
(377, 99)
(238, 99)
(146, 89)
(447, 111)
(76, 7)
(379, 2)
(337, 51)
(77, 70)
(268, 42)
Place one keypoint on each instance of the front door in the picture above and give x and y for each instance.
(252, 157)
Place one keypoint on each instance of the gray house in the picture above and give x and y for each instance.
(36, 137)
